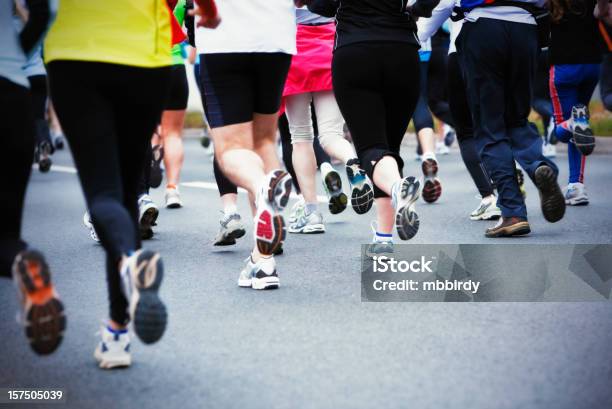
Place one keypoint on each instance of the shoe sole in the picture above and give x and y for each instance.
(337, 198)
(266, 283)
(486, 216)
(313, 229)
(230, 238)
(157, 174)
(174, 205)
(519, 229)
(406, 219)
(148, 312)
(585, 142)
(362, 193)
(577, 202)
(44, 165)
(44, 318)
(432, 188)
(583, 138)
(551, 197)
(111, 364)
(271, 231)
(148, 220)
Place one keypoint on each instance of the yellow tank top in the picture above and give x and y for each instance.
(127, 32)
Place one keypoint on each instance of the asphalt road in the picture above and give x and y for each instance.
(313, 343)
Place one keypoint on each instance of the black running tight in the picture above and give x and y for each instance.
(108, 116)
(38, 90)
(17, 132)
(377, 86)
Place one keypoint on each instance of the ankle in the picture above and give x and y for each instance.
(311, 208)
(115, 327)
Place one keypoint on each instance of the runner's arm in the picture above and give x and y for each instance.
(427, 27)
(325, 8)
(207, 10)
(422, 8)
(39, 16)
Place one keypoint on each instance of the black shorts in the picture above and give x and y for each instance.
(178, 94)
(237, 85)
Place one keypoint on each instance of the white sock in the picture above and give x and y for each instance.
(230, 209)
(429, 155)
(383, 237)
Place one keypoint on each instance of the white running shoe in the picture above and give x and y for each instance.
(260, 275)
(404, 195)
(147, 216)
(231, 229)
(486, 210)
(441, 148)
(575, 195)
(271, 199)
(173, 198)
(549, 151)
(297, 210)
(308, 224)
(141, 276)
(380, 245)
(113, 351)
(89, 224)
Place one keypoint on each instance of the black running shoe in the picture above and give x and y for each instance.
(432, 188)
(333, 187)
(45, 149)
(43, 312)
(362, 192)
(141, 275)
(157, 174)
(551, 197)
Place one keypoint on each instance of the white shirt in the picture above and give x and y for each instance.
(506, 13)
(427, 27)
(251, 26)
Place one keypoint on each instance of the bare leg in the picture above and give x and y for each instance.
(428, 141)
(386, 173)
(385, 215)
(172, 130)
(229, 201)
(264, 140)
(233, 147)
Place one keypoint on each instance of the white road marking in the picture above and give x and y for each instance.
(196, 184)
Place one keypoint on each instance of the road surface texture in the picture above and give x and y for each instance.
(313, 343)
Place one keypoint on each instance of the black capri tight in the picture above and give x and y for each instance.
(377, 87)
(422, 116)
(38, 90)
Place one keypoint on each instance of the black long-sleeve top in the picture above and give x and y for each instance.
(373, 20)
